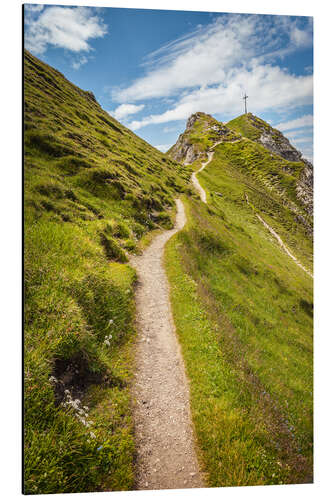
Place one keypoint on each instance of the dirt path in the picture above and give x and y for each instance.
(195, 181)
(281, 243)
(166, 456)
(285, 248)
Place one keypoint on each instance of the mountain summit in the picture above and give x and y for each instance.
(264, 152)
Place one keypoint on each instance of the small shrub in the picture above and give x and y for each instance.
(138, 229)
(163, 219)
(307, 307)
(129, 245)
(121, 230)
(112, 249)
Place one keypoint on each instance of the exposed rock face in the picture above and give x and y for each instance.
(304, 189)
(186, 150)
(273, 140)
(203, 131)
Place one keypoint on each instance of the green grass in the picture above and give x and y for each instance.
(231, 175)
(243, 313)
(244, 126)
(94, 192)
(204, 133)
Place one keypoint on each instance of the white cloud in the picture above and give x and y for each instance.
(64, 27)
(208, 69)
(303, 140)
(171, 129)
(303, 121)
(33, 8)
(268, 88)
(163, 147)
(300, 38)
(125, 110)
(80, 62)
(206, 56)
(299, 133)
(303, 144)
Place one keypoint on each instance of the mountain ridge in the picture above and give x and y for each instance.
(283, 168)
(95, 193)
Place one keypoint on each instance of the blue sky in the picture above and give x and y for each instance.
(151, 69)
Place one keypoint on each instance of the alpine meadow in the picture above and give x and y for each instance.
(168, 296)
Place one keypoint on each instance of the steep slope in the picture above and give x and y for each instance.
(289, 182)
(258, 130)
(202, 131)
(93, 193)
(243, 313)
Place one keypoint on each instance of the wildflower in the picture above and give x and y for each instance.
(110, 322)
(92, 435)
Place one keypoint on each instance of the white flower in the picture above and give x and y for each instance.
(110, 322)
(92, 435)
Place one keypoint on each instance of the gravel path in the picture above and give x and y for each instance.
(285, 248)
(195, 181)
(166, 456)
(279, 240)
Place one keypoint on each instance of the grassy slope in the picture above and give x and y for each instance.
(242, 125)
(243, 312)
(93, 191)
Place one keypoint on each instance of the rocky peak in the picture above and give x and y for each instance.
(189, 146)
(274, 140)
(199, 115)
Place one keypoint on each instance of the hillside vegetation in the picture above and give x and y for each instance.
(243, 313)
(94, 191)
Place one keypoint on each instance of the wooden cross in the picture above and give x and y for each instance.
(245, 97)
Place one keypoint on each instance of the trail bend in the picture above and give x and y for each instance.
(194, 179)
(203, 197)
(166, 456)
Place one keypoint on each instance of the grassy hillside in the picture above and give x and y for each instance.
(93, 192)
(243, 313)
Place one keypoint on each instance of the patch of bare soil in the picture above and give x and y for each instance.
(166, 456)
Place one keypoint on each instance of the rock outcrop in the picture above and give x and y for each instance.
(273, 140)
(187, 149)
(203, 131)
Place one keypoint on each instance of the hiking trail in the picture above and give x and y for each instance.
(194, 179)
(166, 456)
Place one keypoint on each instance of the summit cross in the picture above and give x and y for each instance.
(245, 97)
